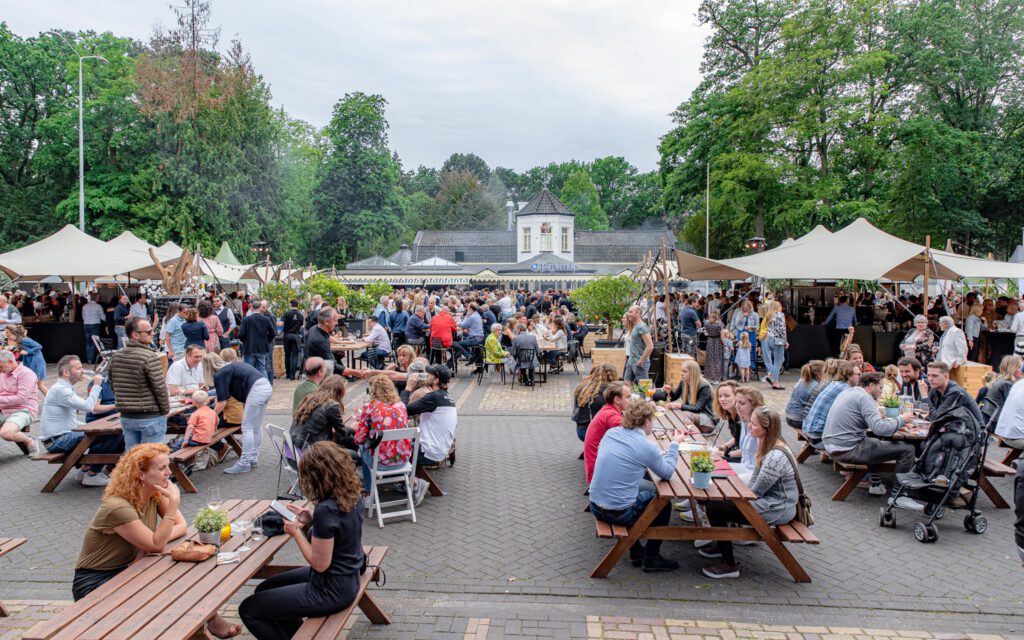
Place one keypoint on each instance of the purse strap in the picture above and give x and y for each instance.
(796, 474)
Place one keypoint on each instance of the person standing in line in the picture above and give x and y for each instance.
(292, 332)
(247, 385)
(639, 346)
(257, 333)
(140, 386)
(121, 313)
(93, 317)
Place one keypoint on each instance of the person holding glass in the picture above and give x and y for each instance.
(329, 537)
(919, 341)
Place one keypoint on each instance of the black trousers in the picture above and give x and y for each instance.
(721, 513)
(291, 354)
(277, 608)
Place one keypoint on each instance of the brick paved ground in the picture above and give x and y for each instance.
(508, 552)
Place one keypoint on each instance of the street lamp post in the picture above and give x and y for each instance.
(81, 136)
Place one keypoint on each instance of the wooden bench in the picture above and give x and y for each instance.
(8, 545)
(857, 473)
(795, 532)
(331, 626)
(185, 455)
(1012, 454)
(994, 469)
(807, 450)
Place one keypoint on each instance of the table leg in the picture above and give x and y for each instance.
(370, 609)
(806, 452)
(70, 461)
(434, 489)
(635, 533)
(993, 494)
(3, 611)
(772, 540)
(1011, 455)
(183, 480)
(234, 444)
(851, 483)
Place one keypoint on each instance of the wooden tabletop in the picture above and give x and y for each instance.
(348, 346)
(157, 597)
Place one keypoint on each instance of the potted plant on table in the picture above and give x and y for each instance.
(891, 404)
(209, 523)
(701, 468)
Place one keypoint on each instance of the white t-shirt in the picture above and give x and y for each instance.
(181, 376)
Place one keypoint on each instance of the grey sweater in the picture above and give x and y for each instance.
(774, 484)
(852, 415)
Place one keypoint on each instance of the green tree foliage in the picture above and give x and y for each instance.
(606, 299)
(467, 163)
(464, 203)
(581, 196)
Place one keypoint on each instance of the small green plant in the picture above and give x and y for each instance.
(891, 402)
(209, 520)
(702, 464)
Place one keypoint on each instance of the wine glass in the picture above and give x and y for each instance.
(242, 526)
(213, 499)
(257, 529)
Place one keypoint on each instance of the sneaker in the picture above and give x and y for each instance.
(721, 570)
(367, 502)
(700, 544)
(420, 492)
(711, 551)
(877, 489)
(77, 474)
(686, 516)
(864, 484)
(239, 467)
(941, 481)
(35, 449)
(636, 554)
(681, 505)
(903, 502)
(658, 564)
(98, 480)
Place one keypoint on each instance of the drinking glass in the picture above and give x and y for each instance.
(257, 529)
(213, 499)
(242, 526)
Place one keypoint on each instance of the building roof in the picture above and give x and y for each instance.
(544, 203)
(626, 245)
(373, 262)
(434, 264)
(466, 246)
(403, 256)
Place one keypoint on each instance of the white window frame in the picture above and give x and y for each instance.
(545, 239)
(526, 239)
(565, 239)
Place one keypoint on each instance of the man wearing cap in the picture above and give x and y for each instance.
(438, 418)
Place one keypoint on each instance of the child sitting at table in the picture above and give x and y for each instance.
(202, 424)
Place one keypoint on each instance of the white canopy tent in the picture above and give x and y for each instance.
(73, 255)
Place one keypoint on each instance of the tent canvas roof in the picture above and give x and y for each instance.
(69, 253)
(128, 240)
(226, 256)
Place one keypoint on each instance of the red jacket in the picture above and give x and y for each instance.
(442, 326)
(607, 418)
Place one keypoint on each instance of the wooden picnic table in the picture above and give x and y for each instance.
(348, 349)
(8, 545)
(157, 597)
(680, 487)
(108, 426)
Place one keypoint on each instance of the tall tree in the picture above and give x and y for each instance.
(467, 163)
(582, 198)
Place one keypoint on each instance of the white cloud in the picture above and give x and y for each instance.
(519, 83)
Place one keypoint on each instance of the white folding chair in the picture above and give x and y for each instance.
(287, 455)
(405, 473)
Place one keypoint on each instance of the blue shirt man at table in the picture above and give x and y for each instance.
(59, 418)
(619, 491)
(416, 328)
(474, 328)
(845, 317)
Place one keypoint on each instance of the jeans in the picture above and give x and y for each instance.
(252, 420)
(773, 355)
(375, 357)
(462, 346)
(872, 451)
(634, 372)
(88, 580)
(140, 430)
(276, 609)
(90, 349)
(581, 432)
(119, 331)
(631, 514)
(551, 357)
(291, 355)
(258, 361)
(104, 444)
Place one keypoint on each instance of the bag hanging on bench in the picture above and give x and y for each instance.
(803, 501)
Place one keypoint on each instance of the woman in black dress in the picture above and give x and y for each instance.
(333, 549)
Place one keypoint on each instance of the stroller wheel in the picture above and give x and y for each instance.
(932, 510)
(925, 532)
(886, 518)
(976, 524)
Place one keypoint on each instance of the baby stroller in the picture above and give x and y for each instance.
(955, 450)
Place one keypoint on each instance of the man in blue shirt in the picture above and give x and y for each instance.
(473, 325)
(416, 328)
(845, 317)
(689, 323)
(619, 491)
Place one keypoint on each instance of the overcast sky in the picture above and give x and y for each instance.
(520, 83)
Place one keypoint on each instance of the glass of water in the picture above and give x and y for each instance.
(257, 529)
(213, 499)
(242, 527)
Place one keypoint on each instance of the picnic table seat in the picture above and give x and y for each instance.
(808, 449)
(8, 545)
(794, 531)
(182, 457)
(857, 473)
(995, 469)
(1012, 454)
(331, 626)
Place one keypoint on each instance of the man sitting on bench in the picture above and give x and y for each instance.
(853, 414)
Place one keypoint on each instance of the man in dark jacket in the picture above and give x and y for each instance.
(140, 386)
(292, 330)
(947, 395)
(257, 333)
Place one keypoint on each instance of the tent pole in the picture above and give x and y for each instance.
(927, 264)
(654, 303)
(668, 309)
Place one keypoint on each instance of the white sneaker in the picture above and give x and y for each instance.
(78, 474)
(903, 502)
(367, 503)
(98, 480)
(877, 489)
(686, 516)
(35, 449)
(420, 491)
(681, 505)
(700, 544)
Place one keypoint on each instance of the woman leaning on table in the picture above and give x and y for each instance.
(333, 548)
(139, 515)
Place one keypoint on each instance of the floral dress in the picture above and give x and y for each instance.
(714, 363)
(216, 330)
(378, 416)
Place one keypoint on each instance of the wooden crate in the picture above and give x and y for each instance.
(163, 360)
(590, 339)
(279, 368)
(614, 356)
(970, 376)
(674, 368)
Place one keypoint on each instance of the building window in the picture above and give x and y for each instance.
(526, 239)
(460, 256)
(565, 239)
(545, 236)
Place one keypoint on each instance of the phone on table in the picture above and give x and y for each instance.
(283, 510)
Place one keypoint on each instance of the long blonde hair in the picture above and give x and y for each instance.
(691, 388)
(588, 389)
(771, 421)
(125, 480)
(212, 363)
(331, 388)
(1008, 366)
